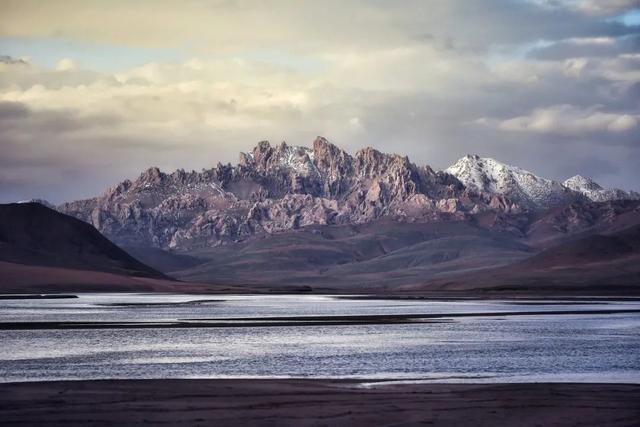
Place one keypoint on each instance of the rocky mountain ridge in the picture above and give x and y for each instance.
(280, 188)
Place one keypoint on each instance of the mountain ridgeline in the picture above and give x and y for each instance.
(283, 188)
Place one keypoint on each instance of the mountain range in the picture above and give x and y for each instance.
(282, 188)
(320, 218)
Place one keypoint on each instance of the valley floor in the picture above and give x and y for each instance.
(281, 402)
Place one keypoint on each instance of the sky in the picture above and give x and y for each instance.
(93, 92)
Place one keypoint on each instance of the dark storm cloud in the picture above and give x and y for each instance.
(18, 117)
(12, 110)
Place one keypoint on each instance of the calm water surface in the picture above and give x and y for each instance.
(500, 348)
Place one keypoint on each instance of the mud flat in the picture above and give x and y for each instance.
(282, 402)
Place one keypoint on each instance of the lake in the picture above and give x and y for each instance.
(239, 336)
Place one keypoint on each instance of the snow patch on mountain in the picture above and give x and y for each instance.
(299, 159)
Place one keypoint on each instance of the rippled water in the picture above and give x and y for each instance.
(551, 347)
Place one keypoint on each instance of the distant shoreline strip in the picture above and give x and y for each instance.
(246, 322)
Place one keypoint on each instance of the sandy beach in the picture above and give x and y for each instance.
(285, 402)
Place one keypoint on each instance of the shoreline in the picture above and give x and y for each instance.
(310, 402)
(427, 296)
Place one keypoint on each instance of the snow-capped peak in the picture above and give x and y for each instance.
(521, 186)
(581, 183)
(593, 191)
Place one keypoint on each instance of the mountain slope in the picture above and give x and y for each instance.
(161, 260)
(373, 256)
(387, 255)
(599, 264)
(581, 219)
(32, 234)
(597, 248)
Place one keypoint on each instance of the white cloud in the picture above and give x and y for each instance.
(566, 120)
(589, 7)
(600, 41)
(621, 68)
(603, 7)
(66, 64)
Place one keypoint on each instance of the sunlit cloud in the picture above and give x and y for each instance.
(567, 120)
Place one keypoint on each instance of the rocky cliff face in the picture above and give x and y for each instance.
(275, 189)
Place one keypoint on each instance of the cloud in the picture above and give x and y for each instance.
(309, 26)
(10, 110)
(604, 7)
(66, 64)
(587, 47)
(9, 60)
(567, 120)
(589, 7)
